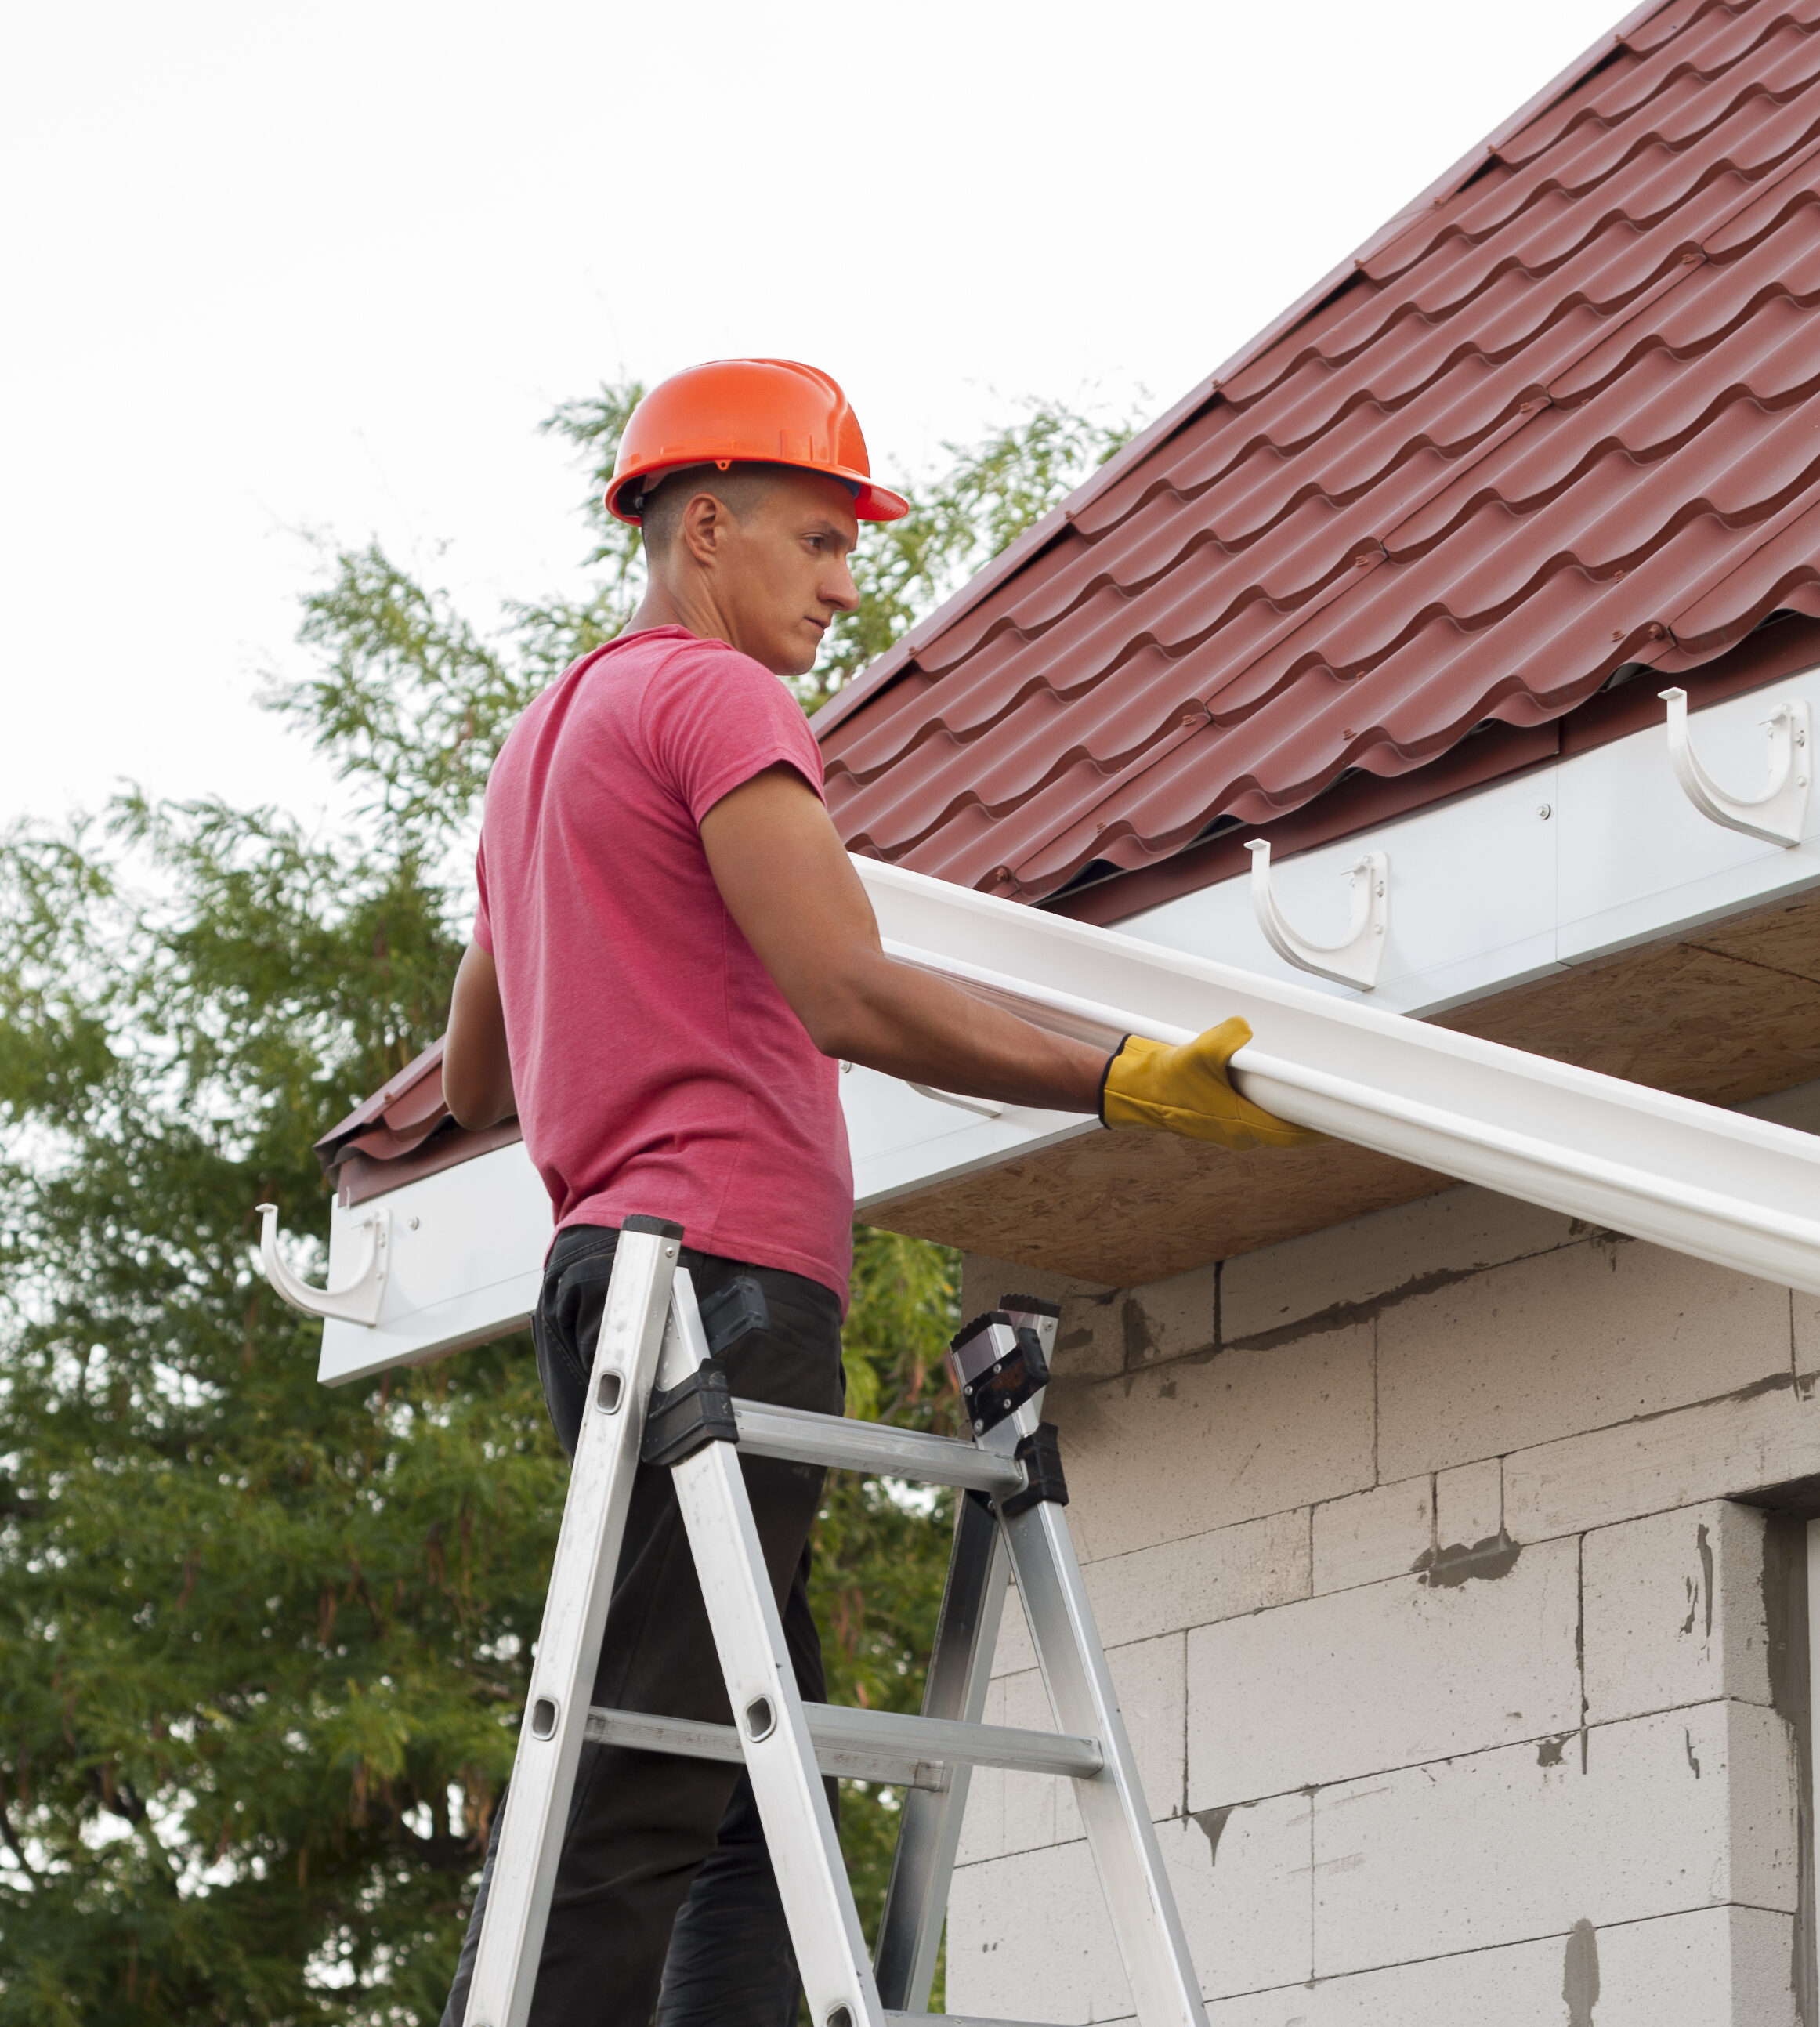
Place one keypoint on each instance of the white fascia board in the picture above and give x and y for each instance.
(465, 1251)
(1571, 860)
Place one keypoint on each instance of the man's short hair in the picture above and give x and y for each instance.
(738, 488)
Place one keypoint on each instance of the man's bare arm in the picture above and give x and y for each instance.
(788, 882)
(477, 1071)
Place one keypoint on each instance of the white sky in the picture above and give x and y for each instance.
(278, 271)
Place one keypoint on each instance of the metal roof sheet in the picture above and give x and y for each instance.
(1557, 420)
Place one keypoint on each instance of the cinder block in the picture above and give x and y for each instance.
(1387, 1675)
(1150, 1679)
(1183, 1449)
(1469, 1504)
(1669, 1814)
(1384, 1258)
(1241, 1881)
(1124, 1329)
(1520, 1986)
(1721, 1967)
(1029, 1939)
(1763, 1436)
(1039, 1809)
(1201, 1578)
(1371, 1535)
(1171, 1319)
(1583, 1338)
(1674, 1611)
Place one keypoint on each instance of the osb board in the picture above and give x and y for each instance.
(1122, 1208)
(1729, 1013)
(1732, 1012)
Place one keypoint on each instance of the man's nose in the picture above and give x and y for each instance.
(838, 588)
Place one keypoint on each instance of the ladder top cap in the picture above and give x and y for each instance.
(1029, 1305)
(973, 1327)
(662, 1227)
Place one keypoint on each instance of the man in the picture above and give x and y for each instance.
(671, 955)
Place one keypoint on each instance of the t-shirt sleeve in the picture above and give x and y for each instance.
(482, 918)
(715, 717)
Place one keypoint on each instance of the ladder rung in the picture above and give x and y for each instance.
(867, 1746)
(693, 1740)
(831, 1440)
(942, 1740)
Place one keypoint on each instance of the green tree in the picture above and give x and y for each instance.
(262, 1645)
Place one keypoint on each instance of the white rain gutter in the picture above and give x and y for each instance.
(1738, 1191)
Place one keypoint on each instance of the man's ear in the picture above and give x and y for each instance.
(703, 530)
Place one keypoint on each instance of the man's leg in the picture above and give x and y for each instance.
(642, 1824)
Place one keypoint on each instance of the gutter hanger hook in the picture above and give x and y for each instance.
(1357, 959)
(1778, 813)
(358, 1302)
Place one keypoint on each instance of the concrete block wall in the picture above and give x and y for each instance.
(1463, 1684)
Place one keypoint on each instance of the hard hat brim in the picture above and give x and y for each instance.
(871, 501)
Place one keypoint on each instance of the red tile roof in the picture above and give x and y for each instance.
(1556, 420)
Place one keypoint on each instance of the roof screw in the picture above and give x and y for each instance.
(414, 1224)
(1545, 811)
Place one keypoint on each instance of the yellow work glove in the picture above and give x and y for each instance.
(1187, 1089)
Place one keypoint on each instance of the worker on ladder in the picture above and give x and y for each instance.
(671, 955)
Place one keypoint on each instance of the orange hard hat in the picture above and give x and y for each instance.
(747, 411)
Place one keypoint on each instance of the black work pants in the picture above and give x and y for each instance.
(664, 1858)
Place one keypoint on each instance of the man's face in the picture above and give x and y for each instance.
(781, 573)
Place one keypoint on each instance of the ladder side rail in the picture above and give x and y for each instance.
(581, 1578)
(916, 1899)
(779, 1755)
(1129, 1861)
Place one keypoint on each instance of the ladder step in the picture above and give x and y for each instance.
(833, 1441)
(945, 1740)
(867, 1746)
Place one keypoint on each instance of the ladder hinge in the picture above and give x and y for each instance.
(1040, 1455)
(684, 1419)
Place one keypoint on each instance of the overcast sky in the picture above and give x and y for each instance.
(276, 273)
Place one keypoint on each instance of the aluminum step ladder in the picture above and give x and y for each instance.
(657, 1394)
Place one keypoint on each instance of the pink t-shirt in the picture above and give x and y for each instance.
(658, 1067)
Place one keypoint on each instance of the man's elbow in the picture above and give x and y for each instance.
(839, 1025)
(471, 1112)
(478, 1094)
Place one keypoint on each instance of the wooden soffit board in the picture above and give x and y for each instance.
(1725, 1014)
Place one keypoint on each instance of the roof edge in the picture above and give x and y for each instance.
(881, 675)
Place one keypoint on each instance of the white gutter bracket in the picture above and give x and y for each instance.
(359, 1302)
(1359, 957)
(1779, 813)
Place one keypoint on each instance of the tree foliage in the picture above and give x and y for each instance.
(263, 1645)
